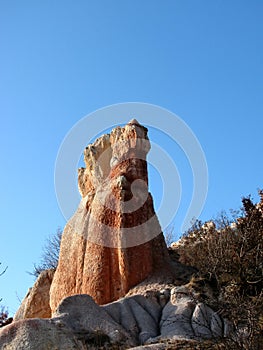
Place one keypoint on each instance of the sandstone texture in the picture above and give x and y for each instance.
(36, 302)
(114, 240)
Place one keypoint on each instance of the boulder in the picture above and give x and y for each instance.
(184, 317)
(85, 318)
(138, 315)
(79, 323)
(36, 302)
(114, 240)
(37, 334)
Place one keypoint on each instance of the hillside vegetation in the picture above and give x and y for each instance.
(228, 254)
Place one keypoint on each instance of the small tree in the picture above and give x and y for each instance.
(50, 254)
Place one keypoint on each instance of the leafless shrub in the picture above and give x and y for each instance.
(50, 254)
(169, 235)
(232, 254)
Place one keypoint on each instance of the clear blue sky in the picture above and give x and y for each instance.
(60, 60)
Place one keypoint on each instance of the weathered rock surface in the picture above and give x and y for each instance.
(86, 319)
(114, 240)
(185, 317)
(36, 302)
(37, 334)
(138, 315)
(80, 323)
(158, 346)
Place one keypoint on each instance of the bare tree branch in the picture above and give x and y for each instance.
(50, 254)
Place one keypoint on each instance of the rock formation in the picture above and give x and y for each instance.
(79, 323)
(36, 302)
(184, 316)
(113, 245)
(114, 240)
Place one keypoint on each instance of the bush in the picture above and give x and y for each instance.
(231, 253)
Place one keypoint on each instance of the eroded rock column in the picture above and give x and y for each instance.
(114, 240)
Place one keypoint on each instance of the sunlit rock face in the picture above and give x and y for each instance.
(36, 302)
(114, 240)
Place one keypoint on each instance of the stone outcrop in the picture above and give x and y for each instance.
(36, 302)
(38, 334)
(185, 317)
(80, 323)
(114, 240)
